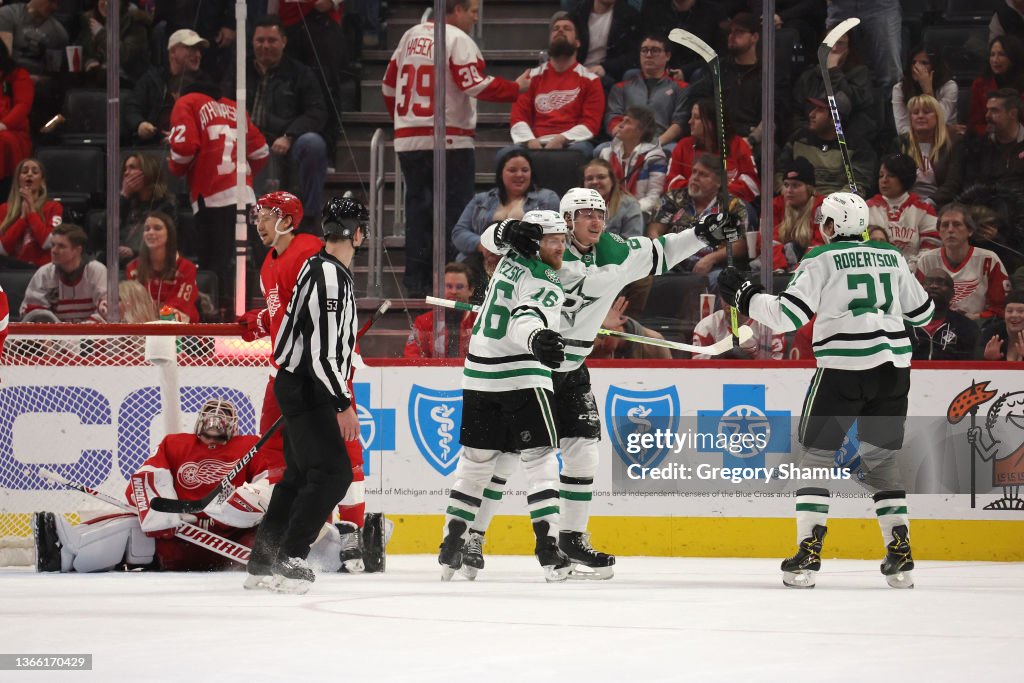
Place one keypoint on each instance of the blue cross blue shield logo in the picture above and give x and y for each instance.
(639, 412)
(744, 412)
(435, 417)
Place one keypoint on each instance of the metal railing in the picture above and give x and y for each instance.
(374, 278)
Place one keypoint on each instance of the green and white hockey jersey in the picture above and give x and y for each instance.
(592, 280)
(524, 295)
(862, 293)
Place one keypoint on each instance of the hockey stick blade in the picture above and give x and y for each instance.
(840, 29)
(687, 39)
(225, 485)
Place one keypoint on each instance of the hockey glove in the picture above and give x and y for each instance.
(715, 229)
(736, 288)
(548, 347)
(523, 237)
(255, 324)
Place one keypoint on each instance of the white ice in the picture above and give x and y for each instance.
(658, 619)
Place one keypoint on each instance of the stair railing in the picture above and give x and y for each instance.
(375, 276)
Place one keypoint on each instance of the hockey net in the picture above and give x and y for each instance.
(92, 402)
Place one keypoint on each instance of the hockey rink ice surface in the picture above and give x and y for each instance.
(668, 619)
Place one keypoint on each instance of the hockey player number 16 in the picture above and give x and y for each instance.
(869, 302)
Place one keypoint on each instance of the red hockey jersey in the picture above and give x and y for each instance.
(980, 283)
(278, 276)
(203, 140)
(419, 344)
(181, 293)
(28, 239)
(743, 178)
(5, 318)
(570, 103)
(910, 222)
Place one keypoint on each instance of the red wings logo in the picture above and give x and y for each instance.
(196, 474)
(273, 301)
(554, 100)
(962, 290)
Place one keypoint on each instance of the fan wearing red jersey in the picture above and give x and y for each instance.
(185, 467)
(203, 141)
(5, 318)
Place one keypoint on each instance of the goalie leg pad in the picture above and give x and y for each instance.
(374, 543)
(325, 553)
(102, 544)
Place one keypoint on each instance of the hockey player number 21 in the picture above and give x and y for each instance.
(869, 302)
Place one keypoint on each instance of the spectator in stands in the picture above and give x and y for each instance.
(876, 233)
(624, 216)
(703, 18)
(147, 109)
(458, 325)
(169, 277)
(926, 74)
(909, 220)
(717, 327)
(197, 152)
(287, 105)
(883, 21)
(818, 143)
(135, 26)
(71, 288)
(949, 335)
(610, 346)
(28, 217)
(638, 162)
(212, 20)
(743, 179)
(134, 303)
(682, 207)
(609, 34)
(35, 39)
(142, 190)
(794, 212)
(1004, 69)
(979, 279)
(937, 151)
(998, 158)
(16, 95)
(653, 87)
(998, 213)
(1004, 339)
(1007, 19)
(513, 195)
(564, 103)
(851, 79)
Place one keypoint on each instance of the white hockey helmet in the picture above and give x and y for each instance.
(217, 419)
(581, 198)
(849, 214)
(550, 221)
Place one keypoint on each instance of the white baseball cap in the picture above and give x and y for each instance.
(186, 37)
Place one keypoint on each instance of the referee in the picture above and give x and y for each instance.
(314, 354)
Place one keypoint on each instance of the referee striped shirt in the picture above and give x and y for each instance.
(318, 332)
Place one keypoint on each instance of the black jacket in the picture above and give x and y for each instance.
(955, 339)
(623, 37)
(150, 100)
(287, 100)
(704, 20)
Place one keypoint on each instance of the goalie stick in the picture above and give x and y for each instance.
(708, 54)
(224, 488)
(823, 51)
(186, 531)
(744, 333)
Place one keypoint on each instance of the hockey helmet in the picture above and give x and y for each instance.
(217, 419)
(849, 214)
(581, 198)
(342, 216)
(282, 204)
(550, 221)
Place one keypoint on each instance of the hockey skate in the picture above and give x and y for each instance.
(44, 533)
(555, 564)
(473, 555)
(351, 548)
(292, 576)
(587, 563)
(377, 531)
(450, 555)
(897, 565)
(798, 571)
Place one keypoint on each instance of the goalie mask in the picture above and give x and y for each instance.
(849, 214)
(217, 420)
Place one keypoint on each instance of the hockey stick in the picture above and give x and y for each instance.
(721, 346)
(823, 51)
(186, 531)
(708, 54)
(377, 315)
(225, 486)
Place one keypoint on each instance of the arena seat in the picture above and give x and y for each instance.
(963, 48)
(85, 117)
(15, 282)
(75, 175)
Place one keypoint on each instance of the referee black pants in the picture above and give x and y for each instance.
(317, 469)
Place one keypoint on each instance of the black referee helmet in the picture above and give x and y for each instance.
(342, 215)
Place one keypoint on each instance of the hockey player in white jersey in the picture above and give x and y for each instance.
(507, 402)
(595, 268)
(863, 294)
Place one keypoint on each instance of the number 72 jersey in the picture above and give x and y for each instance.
(864, 296)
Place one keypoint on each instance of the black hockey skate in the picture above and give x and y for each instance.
(450, 555)
(898, 563)
(351, 548)
(587, 563)
(798, 571)
(375, 541)
(473, 555)
(260, 567)
(292, 575)
(554, 562)
(44, 533)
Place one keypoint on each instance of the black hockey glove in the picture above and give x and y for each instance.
(715, 229)
(737, 289)
(548, 347)
(523, 237)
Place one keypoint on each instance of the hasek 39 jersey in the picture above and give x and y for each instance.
(862, 293)
(524, 295)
